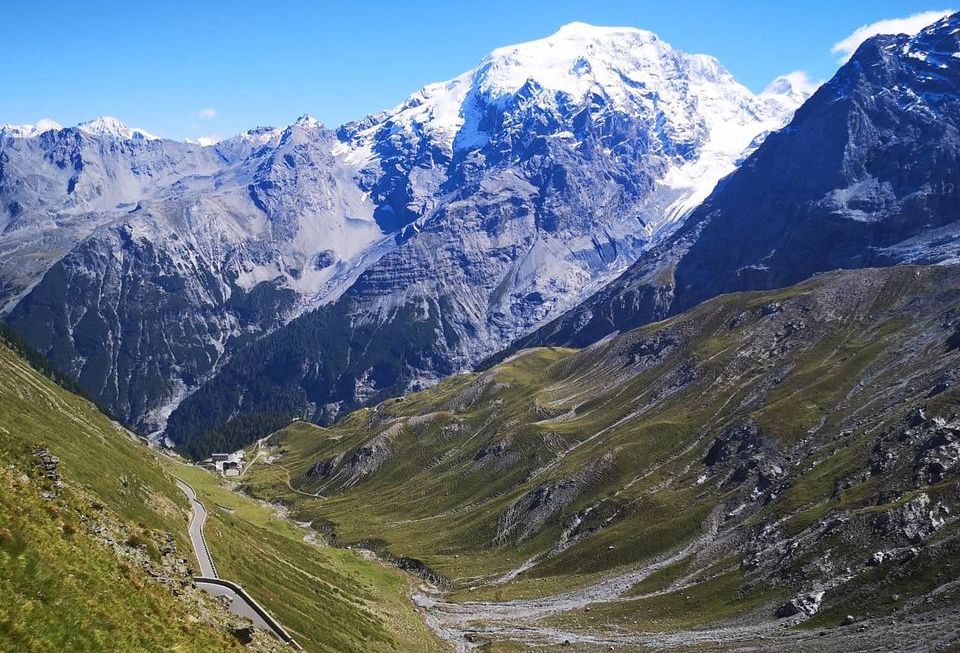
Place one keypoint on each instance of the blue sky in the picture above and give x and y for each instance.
(184, 69)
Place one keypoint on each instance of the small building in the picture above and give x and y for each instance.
(228, 464)
(231, 468)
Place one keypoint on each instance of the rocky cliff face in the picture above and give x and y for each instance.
(549, 168)
(141, 262)
(864, 175)
(469, 214)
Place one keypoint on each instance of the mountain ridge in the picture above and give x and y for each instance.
(775, 469)
(568, 183)
(861, 177)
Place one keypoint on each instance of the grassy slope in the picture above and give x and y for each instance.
(93, 450)
(63, 592)
(834, 359)
(328, 599)
(59, 589)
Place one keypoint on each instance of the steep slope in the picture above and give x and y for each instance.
(134, 264)
(94, 553)
(556, 162)
(62, 589)
(516, 189)
(785, 457)
(84, 557)
(864, 175)
(476, 210)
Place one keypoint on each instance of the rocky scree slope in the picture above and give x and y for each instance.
(471, 213)
(780, 456)
(864, 175)
(134, 265)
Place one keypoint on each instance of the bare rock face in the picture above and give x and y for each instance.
(456, 222)
(938, 454)
(50, 468)
(840, 187)
(244, 634)
(529, 514)
(346, 470)
(746, 456)
(916, 520)
(495, 456)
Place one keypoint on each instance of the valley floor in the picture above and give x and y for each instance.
(327, 599)
(563, 622)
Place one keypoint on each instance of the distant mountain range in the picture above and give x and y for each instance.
(449, 226)
(557, 193)
(608, 351)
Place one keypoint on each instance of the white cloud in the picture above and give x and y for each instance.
(206, 114)
(909, 25)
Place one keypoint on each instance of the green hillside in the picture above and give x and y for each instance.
(61, 588)
(88, 568)
(708, 468)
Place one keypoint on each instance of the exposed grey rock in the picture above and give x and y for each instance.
(806, 604)
(470, 214)
(527, 515)
(914, 521)
(745, 454)
(862, 176)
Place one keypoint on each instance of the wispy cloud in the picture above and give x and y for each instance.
(206, 114)
(908, 25)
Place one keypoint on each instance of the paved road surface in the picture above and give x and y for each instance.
(239, 604)
(196, 532)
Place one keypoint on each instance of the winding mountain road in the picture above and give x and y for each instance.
(204, 560)
(241, 603)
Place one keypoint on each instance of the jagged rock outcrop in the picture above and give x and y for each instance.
(513, 190)
(794, 444)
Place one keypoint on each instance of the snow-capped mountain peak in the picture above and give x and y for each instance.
(112, 127)
(792, 84)
(29, 131)
(577, 59)
(698, 121)
(499, 198)
(936, 45)
(632, 71)
(308, 122)
(789, 91)
(204, 141)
